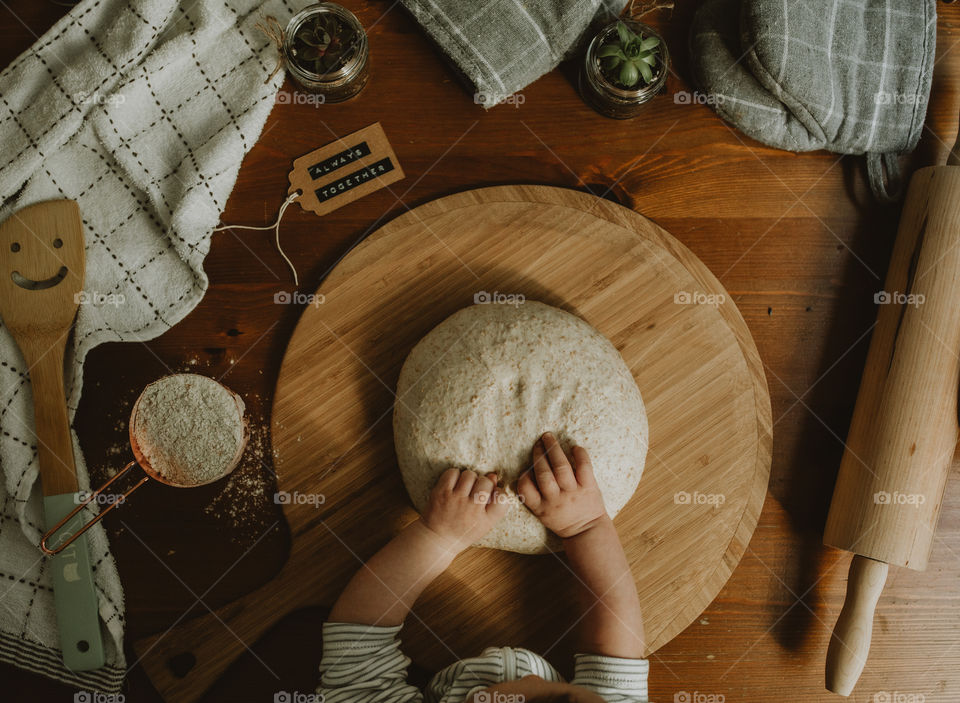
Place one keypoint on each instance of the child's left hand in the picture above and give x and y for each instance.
(463, 507)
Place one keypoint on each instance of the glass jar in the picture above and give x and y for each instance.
(345, 80)
(606, 97)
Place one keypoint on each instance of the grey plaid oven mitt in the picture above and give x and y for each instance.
(500, 46)
(850, 76)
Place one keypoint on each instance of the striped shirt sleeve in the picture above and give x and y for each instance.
(615, 679)
(364, 664)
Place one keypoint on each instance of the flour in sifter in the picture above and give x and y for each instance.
(189, 428)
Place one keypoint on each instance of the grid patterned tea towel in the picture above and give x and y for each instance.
(501, 46)
(141, 110)
(850, 76)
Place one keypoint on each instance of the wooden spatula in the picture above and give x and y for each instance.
(41, 279)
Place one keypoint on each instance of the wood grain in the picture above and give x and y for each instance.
(794, 238)
(903, 436)
(695, 363)
(850, 642)
(41, 275)
(886, 503)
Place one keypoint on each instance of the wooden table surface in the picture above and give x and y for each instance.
(794, 238)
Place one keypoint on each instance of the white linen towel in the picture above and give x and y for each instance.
(141, 110)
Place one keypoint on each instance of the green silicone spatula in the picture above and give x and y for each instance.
(41, 277)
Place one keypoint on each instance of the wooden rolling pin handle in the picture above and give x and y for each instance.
(850, 642)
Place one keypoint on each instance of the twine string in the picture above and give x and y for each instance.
(271, 27)
(276, 230)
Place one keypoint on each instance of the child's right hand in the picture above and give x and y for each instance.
(565, 498)
(463, 507)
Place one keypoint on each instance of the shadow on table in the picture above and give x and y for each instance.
(806, 489)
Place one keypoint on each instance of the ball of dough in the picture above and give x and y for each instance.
(479, 389)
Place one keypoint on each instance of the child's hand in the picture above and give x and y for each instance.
(463, 507)
(566, 499)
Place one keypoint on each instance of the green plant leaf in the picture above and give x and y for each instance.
(608, 50)
(329, 24)
(650, 59)
(649, 43)
(646, 72)
(628, 74)
(624, 33)
(611, 62)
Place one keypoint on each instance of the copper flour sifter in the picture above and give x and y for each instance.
(141, 460)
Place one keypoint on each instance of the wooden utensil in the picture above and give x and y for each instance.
(904, 430)
(41, 278)
(681, 335)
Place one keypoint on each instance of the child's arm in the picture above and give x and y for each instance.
(362, 661)
(612, 625)
(568, 501)
(462, 509)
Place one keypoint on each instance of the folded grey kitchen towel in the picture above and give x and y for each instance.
(851, 76)
(501, 46)
(141, 110)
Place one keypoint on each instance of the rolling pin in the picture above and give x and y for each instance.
(904, 430)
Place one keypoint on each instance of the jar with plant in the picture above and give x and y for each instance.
(625, 65)
(325, 50)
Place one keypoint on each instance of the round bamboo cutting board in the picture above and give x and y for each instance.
(683, 531)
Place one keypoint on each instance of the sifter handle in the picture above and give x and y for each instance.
(850, 642)
(74, 533)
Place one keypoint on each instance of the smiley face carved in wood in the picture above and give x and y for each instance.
(28, 282)
(41, 263)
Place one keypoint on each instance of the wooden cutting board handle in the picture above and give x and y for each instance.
(183, 665)
(850, 642)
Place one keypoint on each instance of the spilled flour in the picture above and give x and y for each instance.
(246, 502)
(242, 506)
(189, 428)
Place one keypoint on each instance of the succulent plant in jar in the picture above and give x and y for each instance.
(326, 51)
(625, 65)
(630, 59)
